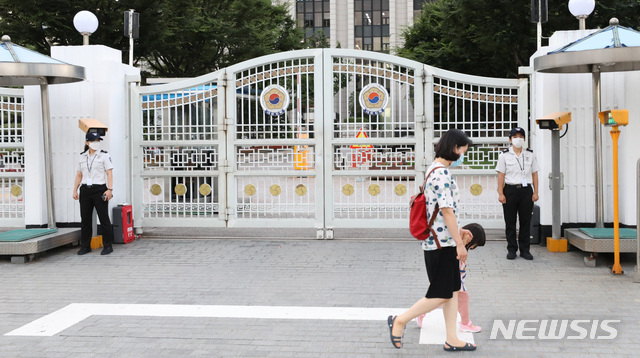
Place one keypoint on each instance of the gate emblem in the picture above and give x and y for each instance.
(275, 190)
(374, 99)
(476, 189)
(274, 100)
(250, 189)
(16, 190)
(155, 189)
(205, 189)
(301, 189)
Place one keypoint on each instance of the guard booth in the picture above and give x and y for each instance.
(585, 75)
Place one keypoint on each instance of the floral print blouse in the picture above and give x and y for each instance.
(440, 189)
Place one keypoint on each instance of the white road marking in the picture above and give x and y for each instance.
(433, 329)
(432, 332)
(66, 317)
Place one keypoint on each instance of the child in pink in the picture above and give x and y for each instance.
(475, 239)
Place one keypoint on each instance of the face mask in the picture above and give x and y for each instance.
(94, 145)
(517, 142)
(458, 162)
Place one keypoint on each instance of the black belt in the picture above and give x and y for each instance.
(91, 186)
(517, 186)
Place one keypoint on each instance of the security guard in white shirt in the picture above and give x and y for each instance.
(95, 180)
(518, 190)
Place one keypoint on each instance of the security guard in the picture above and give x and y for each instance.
(518, 190)
(95, 179)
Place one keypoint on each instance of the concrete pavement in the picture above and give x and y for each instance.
(305, 273)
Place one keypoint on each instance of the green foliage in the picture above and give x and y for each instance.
(495, 37)
(318, 40)
(177, 37)
(39, 24)
(200, 36)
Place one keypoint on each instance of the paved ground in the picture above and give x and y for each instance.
(308, 273)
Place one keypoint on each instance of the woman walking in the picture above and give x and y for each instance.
(442, 254)
(95, 180)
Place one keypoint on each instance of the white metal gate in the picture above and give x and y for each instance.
(207, 154)
(369, 180)
(11, 157)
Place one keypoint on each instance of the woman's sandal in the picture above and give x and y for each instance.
(466, 347)
(395, 340)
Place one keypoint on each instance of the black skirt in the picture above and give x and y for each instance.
(443, 270)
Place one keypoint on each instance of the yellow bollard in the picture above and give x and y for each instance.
(616, 269)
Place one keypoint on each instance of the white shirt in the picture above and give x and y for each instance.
(95, 167)
(441, 189)
(517, 167)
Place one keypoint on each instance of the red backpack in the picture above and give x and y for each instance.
(420, 228)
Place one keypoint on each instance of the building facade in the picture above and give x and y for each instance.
(373, 25)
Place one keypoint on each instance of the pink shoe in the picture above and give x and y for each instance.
(419, 320)
(469, 327)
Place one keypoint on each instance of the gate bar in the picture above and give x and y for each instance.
(636, 275)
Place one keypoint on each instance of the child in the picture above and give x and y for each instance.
(471, 241)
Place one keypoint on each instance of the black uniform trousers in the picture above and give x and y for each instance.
(519, 205)
(91, 197)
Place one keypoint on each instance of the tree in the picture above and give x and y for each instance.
(317, 40)
(495, 37)
(199, 36)
(40, 24)
(178, 38)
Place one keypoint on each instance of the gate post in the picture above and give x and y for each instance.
(136, 158)
(224, 206)
(427, 126)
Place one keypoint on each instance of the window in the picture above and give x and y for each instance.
(313, 17)
(372, 25)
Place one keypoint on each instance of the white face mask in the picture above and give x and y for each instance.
(517, 142)
(94, 145)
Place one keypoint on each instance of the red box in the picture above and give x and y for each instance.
(123, 224)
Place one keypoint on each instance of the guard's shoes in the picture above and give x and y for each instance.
(526, 255)
(107, 250)
(84, 250)
(511, 256)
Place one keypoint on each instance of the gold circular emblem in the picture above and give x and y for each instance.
(347, 189)
(16, 190)
(180, 189)
(205, 189)
(250, 190)
(301, 189)
(374, 189)
(400, 189)
(155, 189)
(476, 189)
(275, 190)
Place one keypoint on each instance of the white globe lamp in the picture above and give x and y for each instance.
(85, 23)
(581, 9)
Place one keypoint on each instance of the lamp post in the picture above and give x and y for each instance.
(85, 23)
(581, 9)
(131, 30)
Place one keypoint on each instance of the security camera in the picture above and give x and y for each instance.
(92, 125)
(554, 121)
(614, 117)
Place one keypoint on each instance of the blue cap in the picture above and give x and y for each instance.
(92, 136)
(516, 130)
